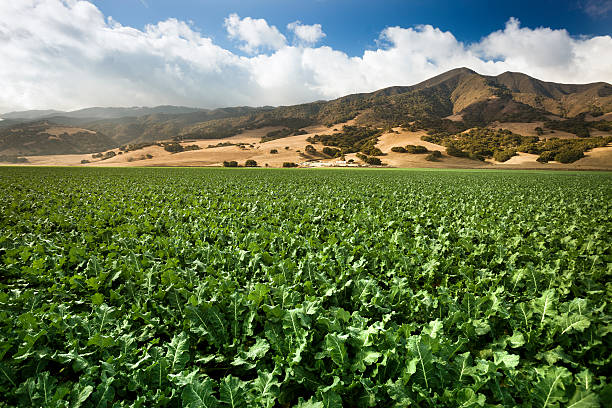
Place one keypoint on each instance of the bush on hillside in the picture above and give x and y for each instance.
(504, 155)
(569, 156)
(174, 147)
(331, 152)
(418, 149)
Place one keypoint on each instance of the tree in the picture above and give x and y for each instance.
(250, 163)
(232, 163)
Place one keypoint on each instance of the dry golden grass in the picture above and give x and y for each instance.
(289, 151)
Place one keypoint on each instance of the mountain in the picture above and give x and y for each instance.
(466, 97)
(101, 113)
(30, 114)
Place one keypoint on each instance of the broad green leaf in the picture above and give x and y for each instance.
(178, 352)
(266, 387)
(80, 395)
(421, 355)
(199, 394)
(550, 390)
(232, 392)
(334, 346)
(583, 399)
(258, 350)
(508, 360)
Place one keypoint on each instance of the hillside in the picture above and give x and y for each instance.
(441, 107)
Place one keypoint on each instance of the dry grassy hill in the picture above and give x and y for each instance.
(439, 108)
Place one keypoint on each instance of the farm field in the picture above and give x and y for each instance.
(192, 287)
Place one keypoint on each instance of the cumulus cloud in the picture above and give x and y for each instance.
(255, 34)
(306, 34)
(66, 54)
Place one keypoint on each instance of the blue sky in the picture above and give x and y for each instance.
(71, 54)
(354, 25)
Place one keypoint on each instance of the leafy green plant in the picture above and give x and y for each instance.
(227, 287)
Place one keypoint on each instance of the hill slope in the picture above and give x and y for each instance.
(466, 97)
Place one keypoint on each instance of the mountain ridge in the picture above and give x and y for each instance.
(471, 98)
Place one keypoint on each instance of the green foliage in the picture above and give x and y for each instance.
(374, 161)
(435, 155)
(569, 155)
(277, 288)
(504, 155)
(352, 139)
(250, 163)
(330, 151)
(416, 149)
(289, 164)
(174, 147)
(231, 163)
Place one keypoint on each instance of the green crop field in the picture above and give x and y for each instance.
(277, 288)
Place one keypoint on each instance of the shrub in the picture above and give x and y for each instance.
(398, 149)
(504, 155)
(375, 161)
(569, 155)
(273, 151)
(84, 161)
(451, 150)
(250, 163)
(109, 155)
(191, 147)
(431, 157)
(289, 164)
(545, 157)
(174, 147)
(232, 163)
(149, 156)
(331, 152)
(418, 149)
(531, 148)
(96, 155)
(310, 149)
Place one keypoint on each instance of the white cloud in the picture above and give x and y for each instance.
(65, 54)
(256, 34)
(306, 34)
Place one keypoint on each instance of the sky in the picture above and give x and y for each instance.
(69, 54)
